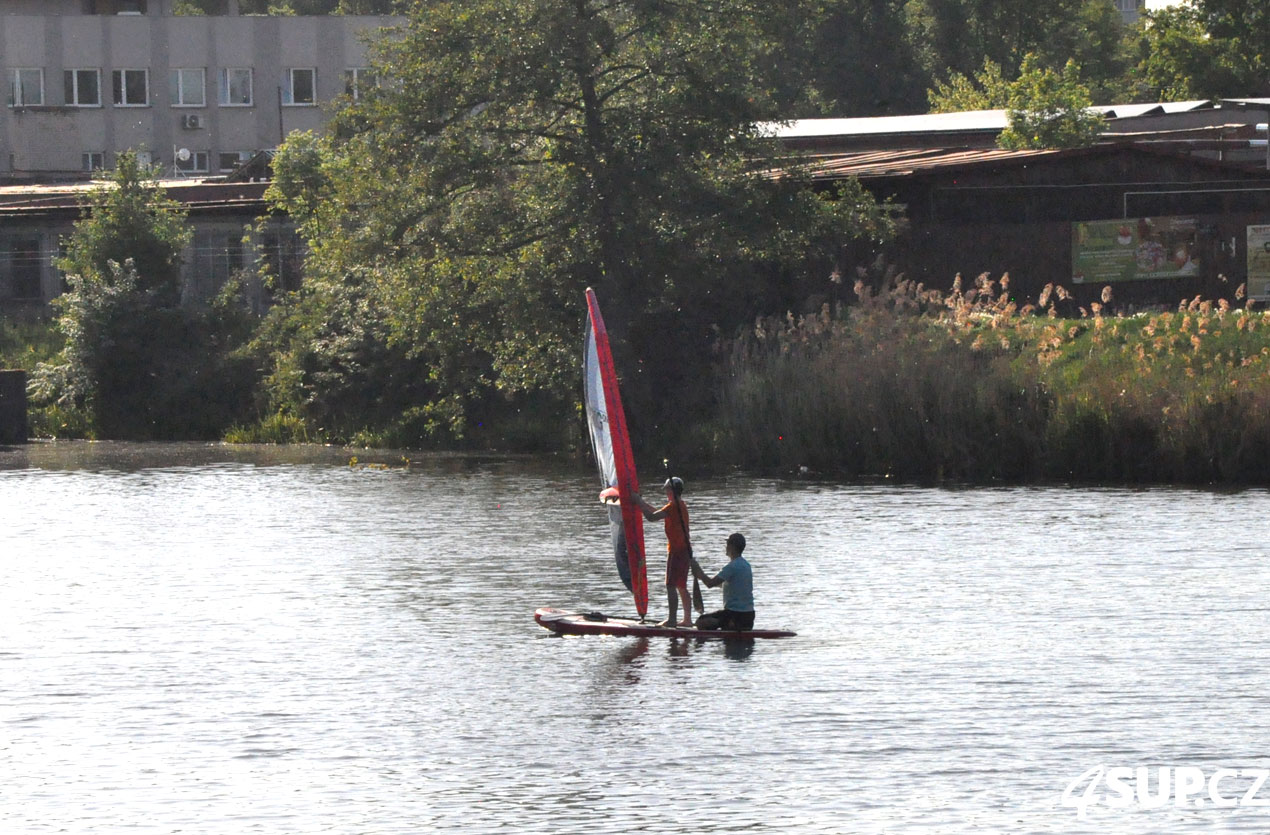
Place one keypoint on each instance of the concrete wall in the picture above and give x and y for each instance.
(50, 140)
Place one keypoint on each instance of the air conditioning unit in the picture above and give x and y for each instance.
(192, 121)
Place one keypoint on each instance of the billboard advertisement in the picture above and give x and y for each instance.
(1132, 249)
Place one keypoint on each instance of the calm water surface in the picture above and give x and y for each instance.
(218, 639)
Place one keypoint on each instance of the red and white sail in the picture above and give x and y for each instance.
(612, 447)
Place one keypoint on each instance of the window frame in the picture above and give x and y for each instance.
(288, 87)
(86, 161)
(119, 87)
(193, 163)
(224, 87)
(357, 80)
(17, 89)
(240, 158)
(176, 86)
(72, 74)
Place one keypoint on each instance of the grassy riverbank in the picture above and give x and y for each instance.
(920, 385)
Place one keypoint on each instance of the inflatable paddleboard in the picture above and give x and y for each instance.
(595, 623)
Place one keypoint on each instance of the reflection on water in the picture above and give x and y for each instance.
(222, 639)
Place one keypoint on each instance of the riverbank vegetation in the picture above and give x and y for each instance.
(135, 362)
(972, 385)
(516, 153)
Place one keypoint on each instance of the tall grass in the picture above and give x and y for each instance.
(26, 342)
(967, 384)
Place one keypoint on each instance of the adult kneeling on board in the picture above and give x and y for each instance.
(737, 580)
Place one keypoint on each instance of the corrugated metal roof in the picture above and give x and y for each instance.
(904, 162)
(193, 193)
(1129, 111)
(965, 121)
(1249, 103)
(971, 120)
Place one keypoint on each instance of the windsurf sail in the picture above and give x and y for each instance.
(612, 448)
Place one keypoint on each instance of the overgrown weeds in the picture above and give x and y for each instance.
(971, 384)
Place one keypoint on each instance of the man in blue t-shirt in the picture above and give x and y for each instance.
(737, 580)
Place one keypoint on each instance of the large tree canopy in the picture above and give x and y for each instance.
(958, 36)
(518, 151)
(1212, 49)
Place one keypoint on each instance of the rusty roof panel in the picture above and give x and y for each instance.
(898, 163)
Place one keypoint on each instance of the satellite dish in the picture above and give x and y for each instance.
(183, 155)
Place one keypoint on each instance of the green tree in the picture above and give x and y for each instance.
(986, 90)
(845, 57)
(1242, 27)
(1049, 109)
(521, 151)
(1178, 59)
(958, 36)
(135, 362)
(131, 219)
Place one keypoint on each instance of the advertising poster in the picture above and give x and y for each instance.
(1259, 263)
(1133, 249)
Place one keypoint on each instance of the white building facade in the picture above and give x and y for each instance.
(88, 79)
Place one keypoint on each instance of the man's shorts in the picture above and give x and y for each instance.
(727, 621)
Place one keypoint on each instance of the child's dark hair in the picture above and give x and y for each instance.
(737, 540)
(675, 483)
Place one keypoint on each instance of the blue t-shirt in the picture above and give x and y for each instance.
(738, 585)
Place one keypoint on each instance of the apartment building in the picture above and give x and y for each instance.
(87, 79)
(1130, 10)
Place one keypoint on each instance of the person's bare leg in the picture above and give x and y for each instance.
(672, 601)
(683, 596)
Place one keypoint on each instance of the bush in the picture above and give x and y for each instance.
(135, 363)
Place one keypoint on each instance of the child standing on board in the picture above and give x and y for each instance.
(678, 548)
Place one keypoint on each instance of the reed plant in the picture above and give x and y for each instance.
(969, 383)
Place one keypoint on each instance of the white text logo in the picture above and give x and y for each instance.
(1153, 787)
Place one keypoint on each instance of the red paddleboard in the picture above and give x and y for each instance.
(593, 623)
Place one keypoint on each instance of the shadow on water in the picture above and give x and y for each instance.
(735, 649)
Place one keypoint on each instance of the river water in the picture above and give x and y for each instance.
(232, 639)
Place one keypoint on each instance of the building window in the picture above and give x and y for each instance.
(28, 88)
(191, 162)
(359, 80)
(94, 161)
(83, 87)
(282, 259)
(299, 87)
(24, 269)
(130, 88)
(235, 86)
(185, 86)
(229, 160)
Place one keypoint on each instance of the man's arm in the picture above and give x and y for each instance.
(711, 582)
